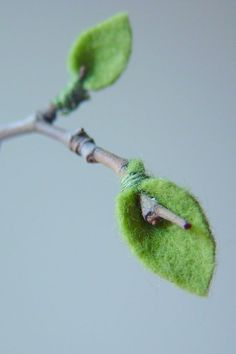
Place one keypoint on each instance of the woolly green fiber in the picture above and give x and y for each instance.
(71, 96)
(104, 51)
(184, 257)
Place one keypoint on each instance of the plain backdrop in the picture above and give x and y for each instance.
(68, 282)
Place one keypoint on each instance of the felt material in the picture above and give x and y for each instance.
(104, 51)
(185, 257)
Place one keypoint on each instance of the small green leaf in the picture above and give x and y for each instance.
(104, 52)
(185, 257)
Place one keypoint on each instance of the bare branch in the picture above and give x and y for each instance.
(17, 128)
(152, 212)
(35, 124)
(84, 145)
(61, 135)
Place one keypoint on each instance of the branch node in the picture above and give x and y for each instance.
(82, 144)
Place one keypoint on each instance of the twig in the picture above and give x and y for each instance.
(152, 212)
(61, 135)
(83, 145)
(17, 128)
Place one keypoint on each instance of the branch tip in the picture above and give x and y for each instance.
(153, 212)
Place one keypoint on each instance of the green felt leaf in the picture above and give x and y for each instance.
(185, 257)
(104, 51)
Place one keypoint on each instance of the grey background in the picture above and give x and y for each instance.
(68, 283)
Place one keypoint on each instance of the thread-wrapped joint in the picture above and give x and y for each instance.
(50, 114)
(132, 180)
(73, 94)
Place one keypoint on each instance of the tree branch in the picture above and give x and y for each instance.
(17, 128)
(61, 135)
(83, 145)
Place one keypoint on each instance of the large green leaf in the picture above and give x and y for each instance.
(185, 257)
(104, 52)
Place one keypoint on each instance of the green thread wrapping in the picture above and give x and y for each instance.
(135, 174)
(132, 180)
(71, 97)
